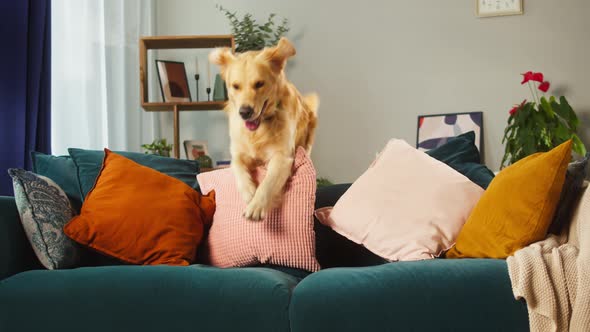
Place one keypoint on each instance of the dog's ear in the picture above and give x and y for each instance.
(278, 55)
(222, 57)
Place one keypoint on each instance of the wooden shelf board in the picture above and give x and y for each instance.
(188, 106)
(171, 42)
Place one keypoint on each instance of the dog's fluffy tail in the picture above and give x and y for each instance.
(312, 101)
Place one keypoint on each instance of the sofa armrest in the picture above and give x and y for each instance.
(16, 253)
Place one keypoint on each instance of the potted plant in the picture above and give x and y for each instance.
(541, 124)
(249, 35)
(159, 147)
(323, 182)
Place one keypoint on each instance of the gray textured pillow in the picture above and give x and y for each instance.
(570, 194)
(44, 209)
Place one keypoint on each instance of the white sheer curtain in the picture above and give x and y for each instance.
(95, 74)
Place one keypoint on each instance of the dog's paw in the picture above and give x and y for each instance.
(247, 191)
(256, 210)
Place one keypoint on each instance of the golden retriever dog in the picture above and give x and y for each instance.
(268, 120)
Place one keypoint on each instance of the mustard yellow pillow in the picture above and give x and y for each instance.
(517, 207)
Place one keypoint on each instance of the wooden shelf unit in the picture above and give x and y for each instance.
(189, 106)
(177, 42)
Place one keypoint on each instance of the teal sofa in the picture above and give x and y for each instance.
(368, 295)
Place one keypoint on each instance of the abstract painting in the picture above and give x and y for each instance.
(435, 130)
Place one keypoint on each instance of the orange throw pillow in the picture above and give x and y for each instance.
(141, 216)
(517, 208)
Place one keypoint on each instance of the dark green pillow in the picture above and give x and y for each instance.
(477, 173)
(89, 162)
(62, 170)
(459, 149)
(461, 154)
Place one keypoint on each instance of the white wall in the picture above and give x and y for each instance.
(378, 64)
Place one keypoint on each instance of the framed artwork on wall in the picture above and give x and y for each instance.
(173, 81)
(435, 130)
(490, 8)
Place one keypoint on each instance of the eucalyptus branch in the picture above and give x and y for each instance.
(250, 35)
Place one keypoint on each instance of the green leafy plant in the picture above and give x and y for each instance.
(540, 125)
(323, 182)
(159, 147)
(205, 161)
(250, 35)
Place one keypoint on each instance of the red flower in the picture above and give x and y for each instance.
(530, 76)
(544, 86)
(537, 77)
(517, 107)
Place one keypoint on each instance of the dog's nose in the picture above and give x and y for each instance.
(246, 112)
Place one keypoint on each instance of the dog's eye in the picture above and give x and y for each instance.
(236, 86)
(258, 84)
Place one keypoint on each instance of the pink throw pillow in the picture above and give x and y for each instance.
(406, 206)
(285, 237)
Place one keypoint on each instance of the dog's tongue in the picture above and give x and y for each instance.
(252, 125)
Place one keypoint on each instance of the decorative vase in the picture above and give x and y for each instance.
(219, 89)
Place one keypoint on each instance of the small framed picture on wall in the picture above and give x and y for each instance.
(173, 81)
(491, 8)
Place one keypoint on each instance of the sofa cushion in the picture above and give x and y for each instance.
(44, 209)
(571, 193)
(285, 237)
(516, 210)
(147, 298)
(477, 173)
(458, 149)
(430, 295)
(462, 155)
(333, 249)
(16, 254)
(62, 170)
(141, 216)
(406, 206)
(89, 162)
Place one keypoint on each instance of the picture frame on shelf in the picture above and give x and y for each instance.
(194, 149)
(435, 130)
(173, 81)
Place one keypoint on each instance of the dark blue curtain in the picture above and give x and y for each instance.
(25, 84)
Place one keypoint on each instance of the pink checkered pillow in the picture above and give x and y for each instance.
(285, 237)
